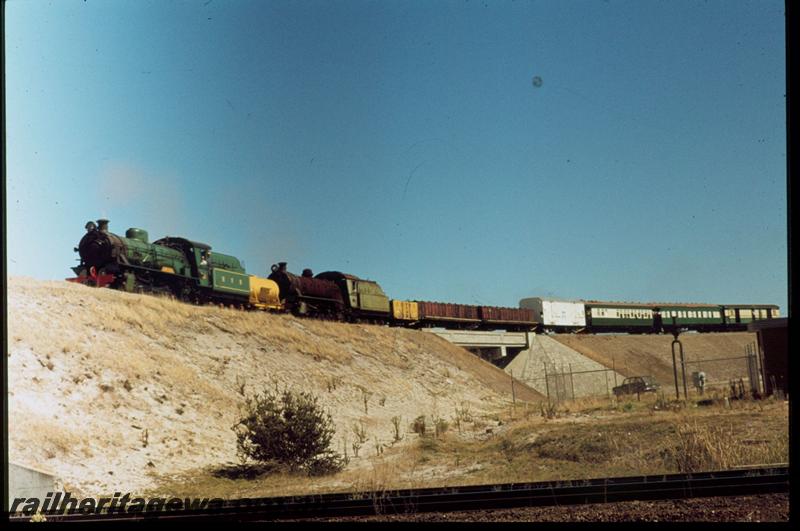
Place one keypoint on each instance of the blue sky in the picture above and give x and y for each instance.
(405, 141)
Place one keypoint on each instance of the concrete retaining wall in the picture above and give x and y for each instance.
(25, 482)
(529, 366)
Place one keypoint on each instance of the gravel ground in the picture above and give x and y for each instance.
(760, 508)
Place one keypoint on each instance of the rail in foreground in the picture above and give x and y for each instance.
(574, 492)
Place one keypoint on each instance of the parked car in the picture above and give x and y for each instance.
(636, 385)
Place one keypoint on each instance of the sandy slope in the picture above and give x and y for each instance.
(634, 355)
(108, 388)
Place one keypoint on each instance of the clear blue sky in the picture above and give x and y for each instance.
(404, 141)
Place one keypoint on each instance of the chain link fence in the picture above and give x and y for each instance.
(733, 376)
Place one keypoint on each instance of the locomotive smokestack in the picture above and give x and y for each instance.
(282, 266)
(102, 225)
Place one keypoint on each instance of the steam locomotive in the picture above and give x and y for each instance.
(190, 271)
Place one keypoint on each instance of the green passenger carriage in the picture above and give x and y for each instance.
(619, 317)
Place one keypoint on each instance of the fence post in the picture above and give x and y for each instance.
(513, 395)
(546, 381)
(571, 381)
(614, 368)
(683, 375)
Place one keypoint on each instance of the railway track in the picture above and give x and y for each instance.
(739, 482)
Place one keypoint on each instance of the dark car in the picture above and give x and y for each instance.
(636, 385)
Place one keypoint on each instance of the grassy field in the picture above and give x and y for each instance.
(578, 440)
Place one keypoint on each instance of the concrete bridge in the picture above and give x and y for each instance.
(559, 372)
(550, 367)
(491, 345)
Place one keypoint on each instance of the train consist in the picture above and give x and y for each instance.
(190, 271)
(596, 316)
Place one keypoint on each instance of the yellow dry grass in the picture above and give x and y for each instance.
(585, 440)
(115, 391)
(156, 384)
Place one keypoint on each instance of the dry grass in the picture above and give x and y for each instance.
(703, 447)
(179, 373)
(586, 440)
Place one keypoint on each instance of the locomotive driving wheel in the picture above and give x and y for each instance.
(183, 292)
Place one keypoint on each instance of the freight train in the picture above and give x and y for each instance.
(190, 271)
(557, 315)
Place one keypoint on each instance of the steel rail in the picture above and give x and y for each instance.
(738, 482)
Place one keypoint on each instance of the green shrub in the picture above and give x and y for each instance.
(289, 428)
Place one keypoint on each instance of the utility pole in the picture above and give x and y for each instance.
(677, 348)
